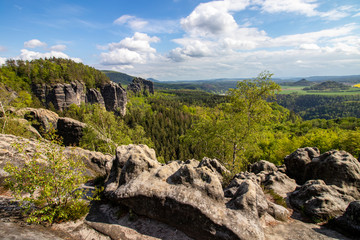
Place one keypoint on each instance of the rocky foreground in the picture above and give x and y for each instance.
(189, 200)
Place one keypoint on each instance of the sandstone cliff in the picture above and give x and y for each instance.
(62, 95)
(141, 86)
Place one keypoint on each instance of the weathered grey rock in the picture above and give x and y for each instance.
(252, 196)
(100, 164)
(278, 182)
(263, 166)
(94, 96)
(277, 211)
(338, 168)
(320, 201)
(114, 97)
(40, 118)
(215, 166)
(96, 163)
(349, 222)
(70, 130)
(61, 95)
(296, 162)
(237, 180)
(249, 197)
(182, 195)
(142, 86)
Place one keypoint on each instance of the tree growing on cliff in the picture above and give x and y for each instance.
(48, 184)
(232, 130)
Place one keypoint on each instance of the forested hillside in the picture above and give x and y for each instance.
(19, 74)
(322, 106)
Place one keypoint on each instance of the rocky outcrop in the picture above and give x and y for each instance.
(319, 201)
(96, 162)
(40, 118)
(297, 161)
(141, 86)
(349, 222)
(188, 195)
(70, 130)
(94, 96)
(114, 97)
(332, 182)
(62, 95)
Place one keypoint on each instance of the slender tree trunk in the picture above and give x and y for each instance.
(234, 155)
(5, 118)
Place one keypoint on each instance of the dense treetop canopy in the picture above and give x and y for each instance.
(19, 74)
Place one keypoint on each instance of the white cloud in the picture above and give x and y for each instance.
(129, 51)
(59, 47)
(213, 18)
(34, 43)
(309, 46)
(2, 60)
(306, 7)
(30, 55)
(148, 26)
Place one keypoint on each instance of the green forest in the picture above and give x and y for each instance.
(249, 123)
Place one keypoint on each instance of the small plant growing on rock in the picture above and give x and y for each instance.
(47, 186)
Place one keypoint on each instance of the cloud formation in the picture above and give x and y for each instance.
(30, 55)
(34, 43)
(130, 51)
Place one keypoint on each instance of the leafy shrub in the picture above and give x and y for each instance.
(47, 187)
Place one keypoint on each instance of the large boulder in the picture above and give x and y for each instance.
(184, 195)
(338, 168)
(320, 201)
(40, 118)
(298, 160)
(261, 166)
(70, 130)
(349, 222)
(114, 97)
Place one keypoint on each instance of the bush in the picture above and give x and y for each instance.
(48, 185)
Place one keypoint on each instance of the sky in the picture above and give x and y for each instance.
(188, 39)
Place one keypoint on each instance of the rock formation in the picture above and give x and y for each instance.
(62, 95)
(98, 164)
(141, 86)
(332, 181)
(114, 97)
(70, 130)
(188, 195)
(349, 222)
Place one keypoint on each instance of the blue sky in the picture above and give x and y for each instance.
(188, 39)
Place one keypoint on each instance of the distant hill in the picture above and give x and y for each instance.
(344, 79)
(327, 86)
(118, 77)
(302, 82)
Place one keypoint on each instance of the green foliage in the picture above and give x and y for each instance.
(322, 106)
(48, 188)
(19, 74)
(327, 86)
(105, 130)
(279, 200)
(230, 131)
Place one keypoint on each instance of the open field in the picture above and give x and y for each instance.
(298, 90)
